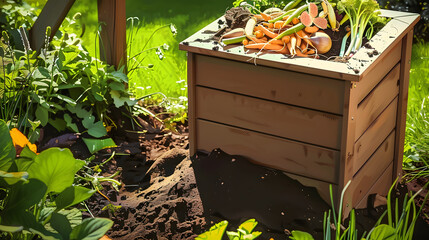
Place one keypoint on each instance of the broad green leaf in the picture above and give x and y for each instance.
(65, 99)
(58, 124)
(69, 123)
(215, 233)
(97, 129)
(27, 153)
(74, 216)
(118, 76)
(13, 177)
(117, 86)
(248, 225)
(79, 164)
(299, 235)
(42, 115)
(88, 121)
(41, 73)
(61, 224)
(119, 100)
(55, 167)
(23, 163)
(91, 228)
(24, 195)
(28, 221)
(72, 196)
(80, 111)
(7, 150)
(383, 232)
(95, 145)
(11, 229)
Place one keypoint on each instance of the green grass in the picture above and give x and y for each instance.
(417, 132)
(167, 76)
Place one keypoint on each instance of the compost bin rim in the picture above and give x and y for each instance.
(387, 38)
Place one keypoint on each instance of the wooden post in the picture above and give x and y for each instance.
(53, 14)
(401, 117)
(113, 45)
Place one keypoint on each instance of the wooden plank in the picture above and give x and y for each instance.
(381, 187)
(377, 100)
(390, 59)
(322, 187)
(370, 172)
(289, 156)
(53, 14)
(293, 88)
(407, 43)
(347, 156)
(278, 119)
(192, 104)
(366, 145)
(113, 44)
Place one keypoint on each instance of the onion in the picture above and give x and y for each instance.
(321, 41)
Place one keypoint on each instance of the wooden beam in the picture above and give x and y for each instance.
(113, 45)
(53, 14)
(401, 116)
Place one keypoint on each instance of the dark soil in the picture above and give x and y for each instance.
(166, 194)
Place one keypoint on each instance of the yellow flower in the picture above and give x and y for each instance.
(20, 140)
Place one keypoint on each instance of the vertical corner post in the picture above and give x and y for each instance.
(112, 19)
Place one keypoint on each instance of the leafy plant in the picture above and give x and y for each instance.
(359, 12)
(400, 224)
(244, 231)
(215, 233)
(40, 195)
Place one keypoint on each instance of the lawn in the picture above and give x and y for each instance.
(167, 76)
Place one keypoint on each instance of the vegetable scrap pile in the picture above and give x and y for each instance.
(299, 29)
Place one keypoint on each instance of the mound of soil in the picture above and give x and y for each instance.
(166, 194)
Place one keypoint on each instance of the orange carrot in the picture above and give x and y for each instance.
(270, 25)
(275, 41)
(311, 29)
(259, 17)
(303, 47)
(295, 21)
(278, 24)
(266, 24)
(286, 39)
(265, 17)
(300, 54)
(256, 40)
(267, 32)
(266, 46)
(259, 34)
(245, 42)
(311, 52)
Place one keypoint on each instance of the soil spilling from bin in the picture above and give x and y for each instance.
(167, 194)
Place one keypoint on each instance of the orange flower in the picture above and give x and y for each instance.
(20, 140)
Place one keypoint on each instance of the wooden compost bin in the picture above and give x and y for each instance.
(320, 122)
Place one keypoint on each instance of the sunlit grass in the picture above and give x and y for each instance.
(417, 132)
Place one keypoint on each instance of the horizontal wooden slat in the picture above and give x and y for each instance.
(289, 156)
(380, 187)
(369, 173)
(293, 88)
(377, 100)
(322, 187)
(278, 119)
(374, 135)
(378, 72)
